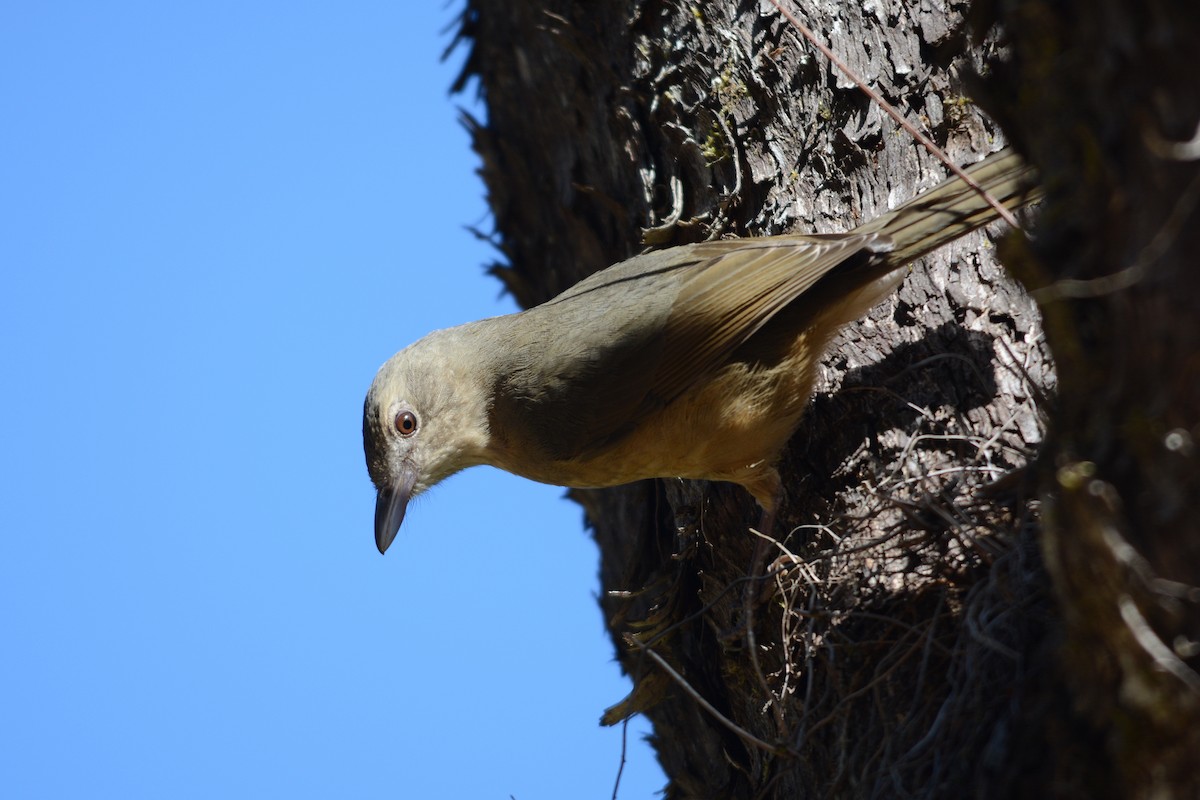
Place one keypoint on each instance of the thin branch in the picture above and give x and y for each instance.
(742, 733)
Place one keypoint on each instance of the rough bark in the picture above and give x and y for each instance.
(908, 643)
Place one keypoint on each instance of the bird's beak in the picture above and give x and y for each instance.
(390, 504)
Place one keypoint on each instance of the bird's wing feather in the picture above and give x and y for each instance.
(738, 289)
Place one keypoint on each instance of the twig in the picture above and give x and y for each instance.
(1158, 245)
(621, 768)
(1154, 646)
(742, 733)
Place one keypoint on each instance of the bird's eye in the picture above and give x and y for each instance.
(406, 423)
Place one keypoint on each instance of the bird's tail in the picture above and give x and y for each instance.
(954, 208)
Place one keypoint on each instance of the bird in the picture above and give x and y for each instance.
(695, 361)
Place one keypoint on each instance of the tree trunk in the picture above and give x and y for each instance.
(908, 641)
(1114, 130)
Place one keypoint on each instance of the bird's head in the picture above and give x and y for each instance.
(425, 418)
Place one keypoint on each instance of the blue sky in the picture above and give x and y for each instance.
(218, 219)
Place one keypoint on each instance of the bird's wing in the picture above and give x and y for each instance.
(634, 337)
(733, 293)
